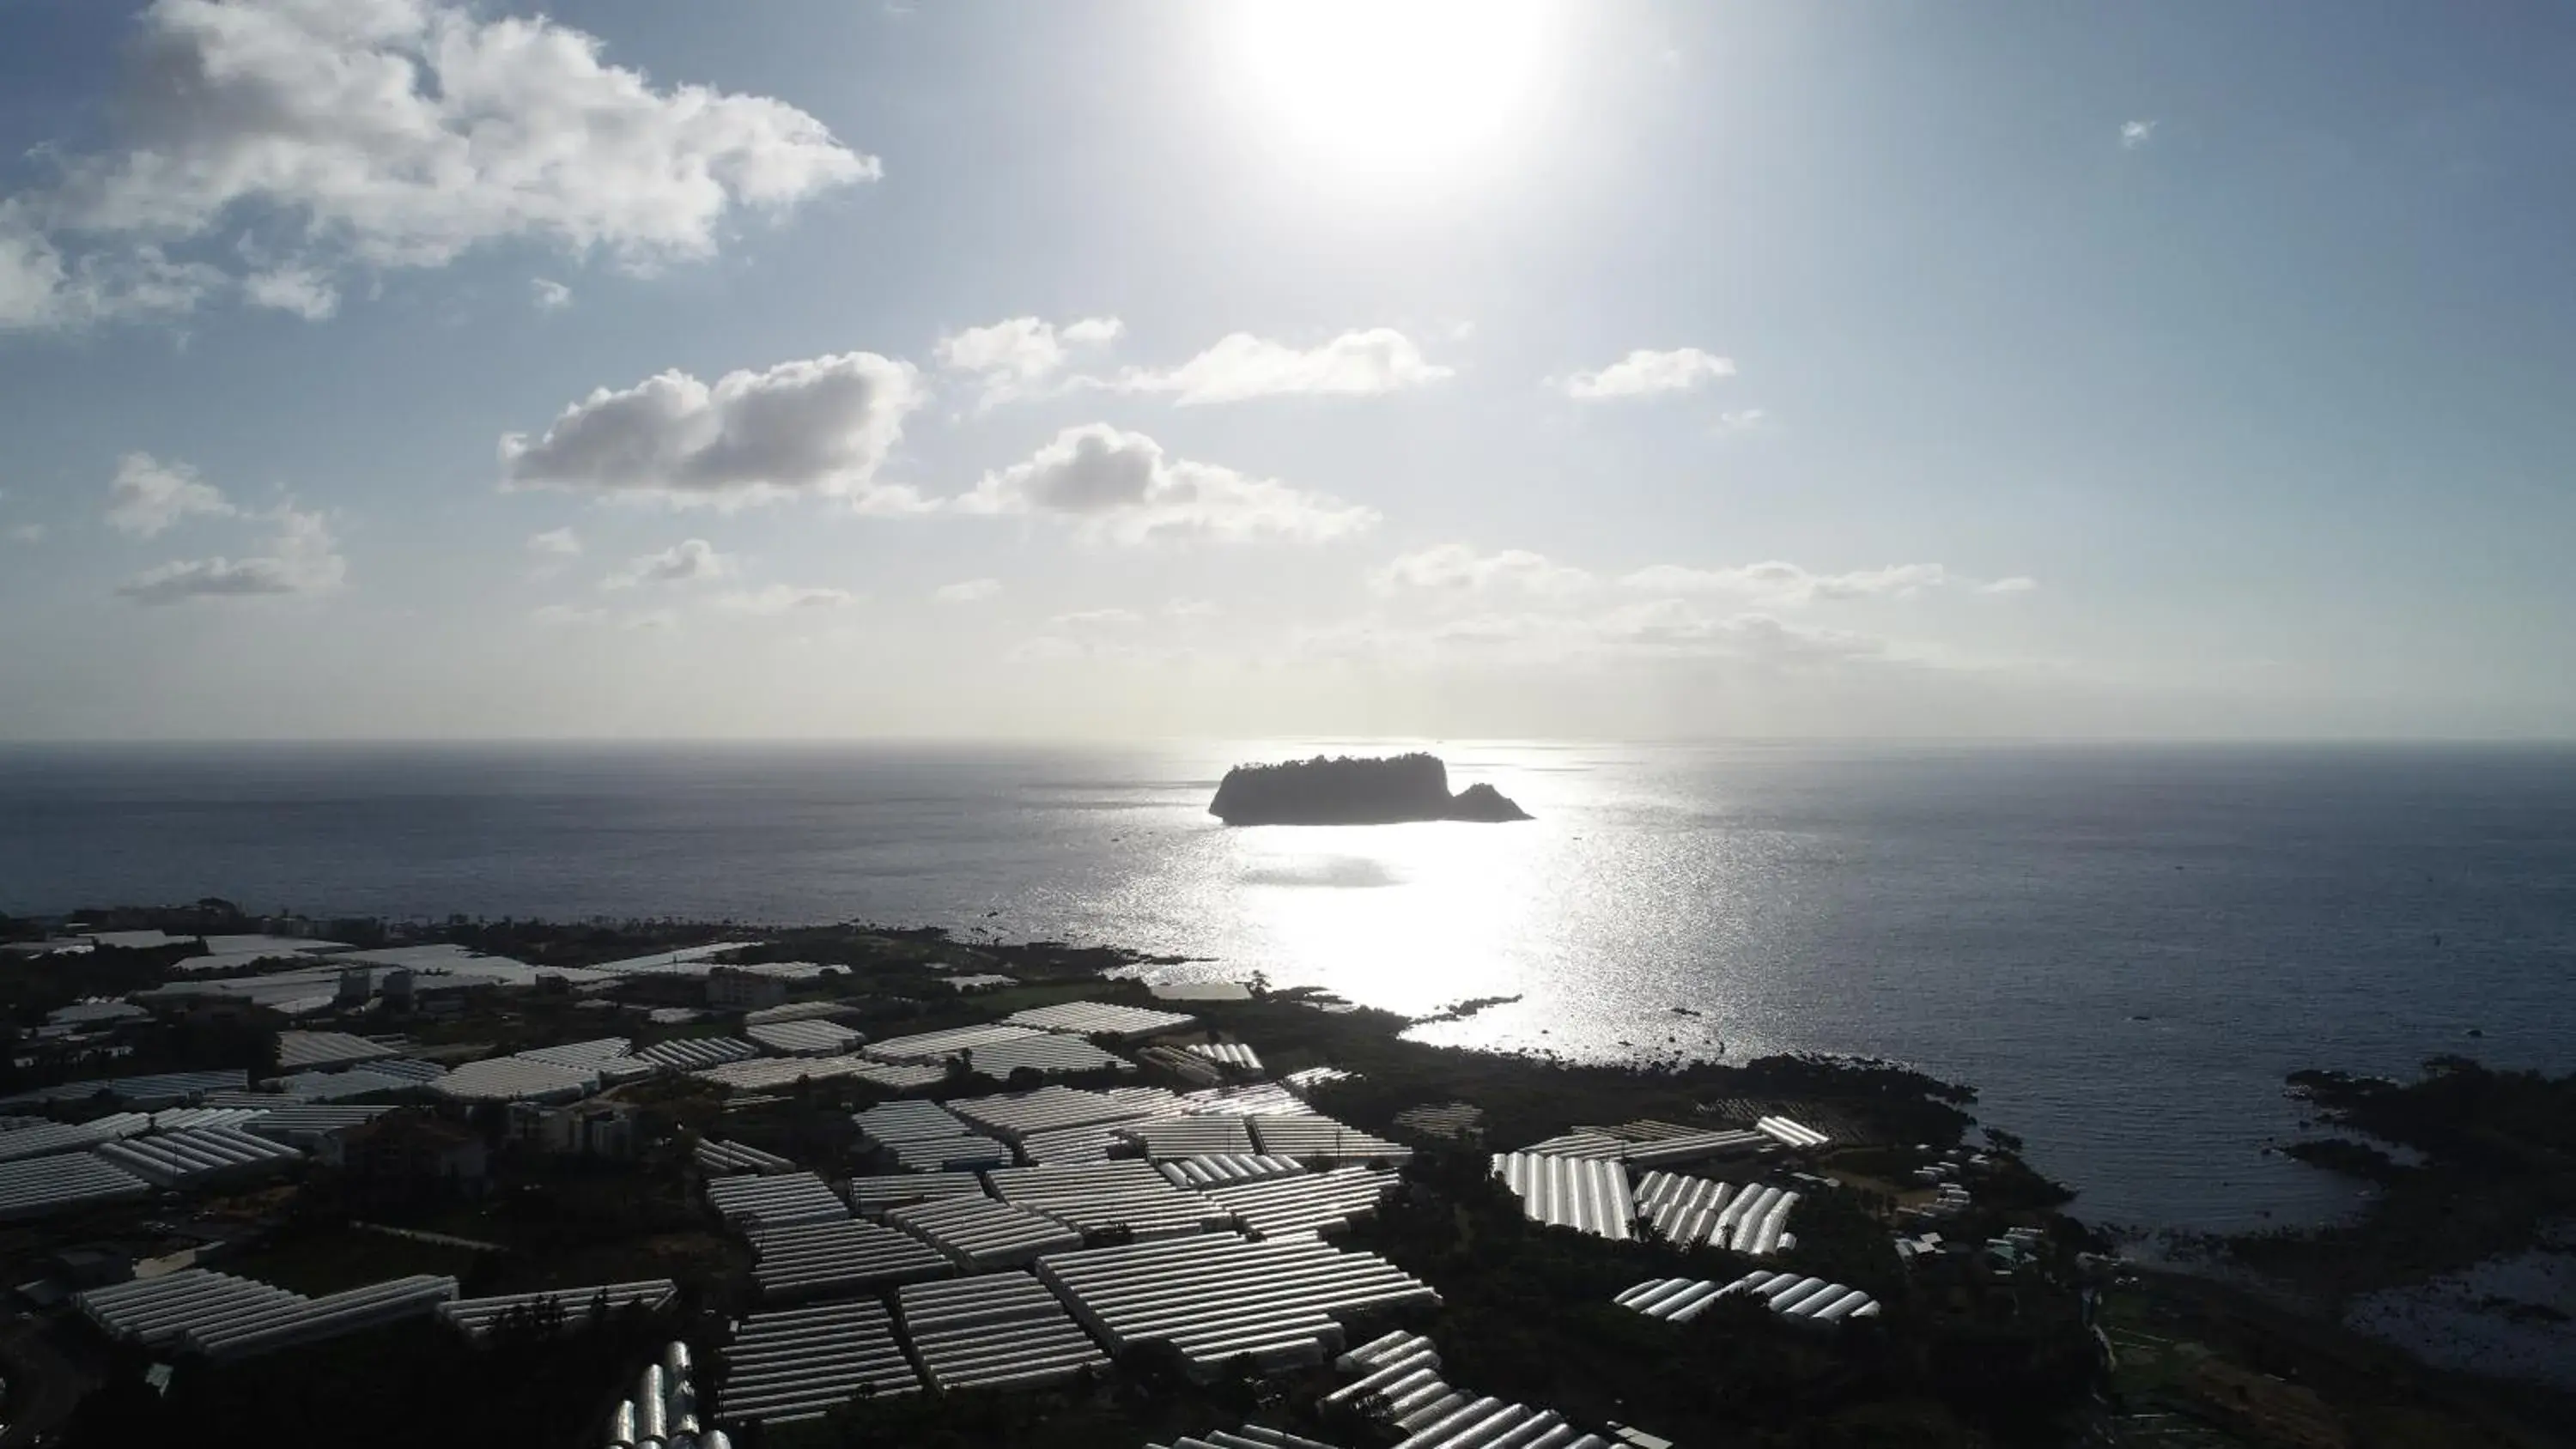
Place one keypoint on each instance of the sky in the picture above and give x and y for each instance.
(832, 368)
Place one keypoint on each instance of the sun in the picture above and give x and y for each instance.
(1401, 88)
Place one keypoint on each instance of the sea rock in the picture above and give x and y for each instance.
(1354, 792)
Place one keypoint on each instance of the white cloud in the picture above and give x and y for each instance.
(1459, 568)
(785, 599)
(558, 542)
(1123, 487)
(1012, 358)
(1192, 609)
(1658, 629)
(822, 426)
(303, 559)
(967, 591)
(1096, 619)
(41, 288)
(27, 533)
(2017, 584)
(1747, 420)
(690, 561)
(1241, 366)
(392, 133)
(549, 295)
(148, 495)
(2134, 134)
(1646, 373)
(1786, 583)
(299, 290)
(556, 614)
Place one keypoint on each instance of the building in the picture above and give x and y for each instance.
(588, 1129)
(730, 990)
(407, 1156)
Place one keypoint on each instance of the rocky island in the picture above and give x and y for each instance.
(1346, 791)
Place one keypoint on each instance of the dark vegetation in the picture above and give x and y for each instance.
(1348, 791)
(2496, 1166)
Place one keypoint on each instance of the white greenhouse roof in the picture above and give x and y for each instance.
(1791, 1132)
(696, 1053)
(932, 1045)
(297, 1050)
(799, 1363)
(1095, 1196)
(585, 1054)
(1321, 1202)
(52, 1137)
(871, 1196)
(1165, 1137)
(719, 1158)
(1232, 1054)
(512, 1079)
(1218, 1297)
(803, 1038)
(1748, 1218)
(1101, 1018)
(1047, 1054)
(42, 1186)
(1585, 1193)
(978, 1233)
(196, 1155)
(996, 1330)
(225, 1317)
(845, 1256)
(789, 1197)
(164, 1087)
(154, 1312)
(1205, 1172)
(1321, 1139)
(1014, 1116)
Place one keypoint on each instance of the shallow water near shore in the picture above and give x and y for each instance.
(2123, 949)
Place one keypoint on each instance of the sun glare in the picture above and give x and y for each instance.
(1390, 87)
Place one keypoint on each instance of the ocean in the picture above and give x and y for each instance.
(2123, 949)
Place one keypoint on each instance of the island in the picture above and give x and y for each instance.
(1347, 791)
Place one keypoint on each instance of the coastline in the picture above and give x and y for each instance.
(1886, 1125)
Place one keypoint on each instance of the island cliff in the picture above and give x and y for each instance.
(1353, 792)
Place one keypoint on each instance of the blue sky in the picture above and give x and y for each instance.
(382, 368)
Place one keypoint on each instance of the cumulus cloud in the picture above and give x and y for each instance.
(27, 533)
(784, 599)
(2134, 134)
(1123, 487)
(549, 295)
(1787, 583)
(148, 495)
(557, 542)
(967, 591)
(395, 133)
(1015, 357)
(1241, 366)
(299, 290)
(302, 559)
(1460, 568)
(822, 426)
(1192, 608)
(2017, 584)
(1647, 373)
(690, 561)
